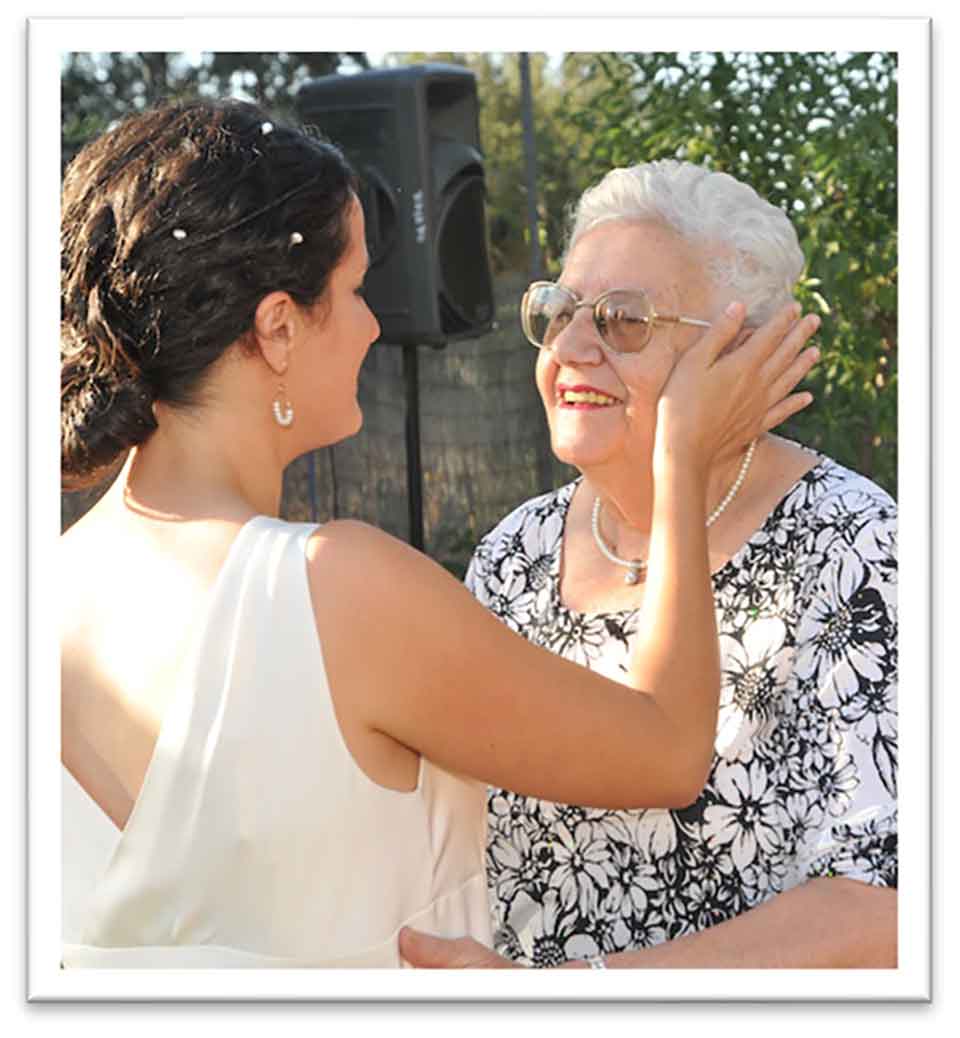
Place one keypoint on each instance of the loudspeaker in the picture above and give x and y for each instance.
(412, 135)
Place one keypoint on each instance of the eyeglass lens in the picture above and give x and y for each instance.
(623, 321)
(622, 318)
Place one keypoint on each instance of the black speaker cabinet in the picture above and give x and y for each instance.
(412, 135)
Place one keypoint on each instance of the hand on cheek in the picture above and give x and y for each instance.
(644, 374)
(739, 341)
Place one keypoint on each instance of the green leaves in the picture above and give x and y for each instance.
(98, 88)
(815, 133)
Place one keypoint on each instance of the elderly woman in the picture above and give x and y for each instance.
(795, 832)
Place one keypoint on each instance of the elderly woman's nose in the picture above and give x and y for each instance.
(579, 341)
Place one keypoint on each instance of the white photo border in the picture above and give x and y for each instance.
(47, 40)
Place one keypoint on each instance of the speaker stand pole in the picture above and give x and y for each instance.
(411, 379)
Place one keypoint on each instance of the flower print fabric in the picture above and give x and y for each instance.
(803, 782)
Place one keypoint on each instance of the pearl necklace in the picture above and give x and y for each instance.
(636, 567)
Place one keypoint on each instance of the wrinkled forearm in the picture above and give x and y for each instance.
(823, 924)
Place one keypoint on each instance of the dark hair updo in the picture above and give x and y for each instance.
(174, 225)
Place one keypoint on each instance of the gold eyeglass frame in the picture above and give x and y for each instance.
(652, 319)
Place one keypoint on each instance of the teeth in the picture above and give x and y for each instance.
(572, 396)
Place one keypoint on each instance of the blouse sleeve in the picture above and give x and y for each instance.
(475, 578)
(846, 727)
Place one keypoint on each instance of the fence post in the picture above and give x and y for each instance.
(530, 167)
(544, 452)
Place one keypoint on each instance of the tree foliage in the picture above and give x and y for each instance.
(98, 88)
(815, 133)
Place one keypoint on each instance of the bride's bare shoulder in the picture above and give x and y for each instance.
(356, 545)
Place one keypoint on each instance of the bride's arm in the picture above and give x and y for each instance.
(413, 656)
(676, 645)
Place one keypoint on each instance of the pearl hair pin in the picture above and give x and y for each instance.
(637, 567)
(295, 238)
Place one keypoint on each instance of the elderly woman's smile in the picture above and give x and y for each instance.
(584, 397)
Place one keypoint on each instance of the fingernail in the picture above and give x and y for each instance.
(814, 322)
(734, 309)
(796, 310)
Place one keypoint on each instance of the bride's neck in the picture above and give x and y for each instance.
(180, 471)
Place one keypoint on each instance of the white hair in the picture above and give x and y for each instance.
(750, 246)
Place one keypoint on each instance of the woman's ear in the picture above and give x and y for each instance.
(274, 329)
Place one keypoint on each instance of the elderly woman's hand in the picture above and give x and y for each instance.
(424, 951)
(715, 405)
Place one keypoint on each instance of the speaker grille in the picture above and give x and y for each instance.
(465, 289)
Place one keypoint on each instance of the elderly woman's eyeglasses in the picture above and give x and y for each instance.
(624, 318)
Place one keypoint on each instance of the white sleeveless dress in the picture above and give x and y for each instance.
(256, 840)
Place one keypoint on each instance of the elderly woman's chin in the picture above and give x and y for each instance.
(585, 448)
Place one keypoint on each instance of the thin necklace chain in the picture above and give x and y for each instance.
(636, 567)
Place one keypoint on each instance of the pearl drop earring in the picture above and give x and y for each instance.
(282, 408)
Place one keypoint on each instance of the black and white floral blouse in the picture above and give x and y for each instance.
(803, 782)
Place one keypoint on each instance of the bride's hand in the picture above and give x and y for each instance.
(714, 405)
